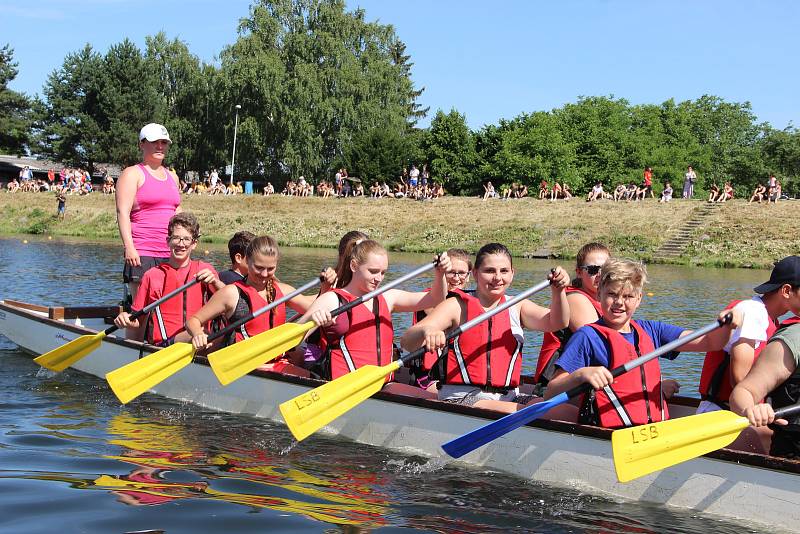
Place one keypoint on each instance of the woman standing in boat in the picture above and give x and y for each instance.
(364, 335)
(240, 299)
(484, 365)
(584, 308)
(147, 197)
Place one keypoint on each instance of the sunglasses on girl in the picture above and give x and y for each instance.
(591, 269)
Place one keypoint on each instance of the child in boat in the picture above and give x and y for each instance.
(484, 366)
(241, 298)
(639, 396)
(725, 368)
(166, 324)
(457, 281)
(584, 308)
(364, 335)
(237, 250)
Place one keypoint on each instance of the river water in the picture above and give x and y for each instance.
(73, 459)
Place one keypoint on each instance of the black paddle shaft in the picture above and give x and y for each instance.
(453, 332)
(664, 349)
(149, 307)
(787, 411)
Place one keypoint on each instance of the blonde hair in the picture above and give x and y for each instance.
(623, 272)
(264, 245)
(358, 251)
(460, 254)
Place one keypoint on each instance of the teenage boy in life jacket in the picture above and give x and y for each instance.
(237, 250)
(166, 322)
(725, 368)
(638, 396)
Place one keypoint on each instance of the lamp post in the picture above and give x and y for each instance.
(235, 127)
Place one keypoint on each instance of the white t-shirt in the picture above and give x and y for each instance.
(755, 321)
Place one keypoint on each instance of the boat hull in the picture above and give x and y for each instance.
(735, 485)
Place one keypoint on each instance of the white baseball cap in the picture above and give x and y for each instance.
(154, 132)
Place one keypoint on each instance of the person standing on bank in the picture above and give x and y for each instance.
(147, 197)
(688, 182)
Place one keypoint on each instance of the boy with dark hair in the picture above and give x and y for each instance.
(166, 323)
(237, 248)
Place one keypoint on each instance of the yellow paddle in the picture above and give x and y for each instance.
(641, 450)
(69, 353)
(235, 361)
(307, 413)
(133, 379)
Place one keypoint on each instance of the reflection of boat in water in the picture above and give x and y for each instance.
(729, 483)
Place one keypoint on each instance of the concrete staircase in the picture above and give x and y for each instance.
(675, 246)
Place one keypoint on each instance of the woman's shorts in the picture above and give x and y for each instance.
(135, 274)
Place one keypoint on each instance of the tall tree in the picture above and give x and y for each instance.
(15, 108)
(450, 148)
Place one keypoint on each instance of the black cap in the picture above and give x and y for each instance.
(786, 271)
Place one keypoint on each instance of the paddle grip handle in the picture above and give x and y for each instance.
(453, 332)
(152, 305)
(663, 349)
(236, 324)
(394, 283)
(787, 411)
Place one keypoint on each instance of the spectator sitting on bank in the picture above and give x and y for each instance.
(375, 190)
(386, 191)
(543, 190)
(555, 193)
(775, 193)
(619, 192)
(506, 190)
(596, 193)
(566, 193)
(521, 192)
(666, 194)
(358, 190)
(12, 186)
(726, 194)
(758, 194)
(713, 193)
(269, 189)
(488, 191)
(108, 185)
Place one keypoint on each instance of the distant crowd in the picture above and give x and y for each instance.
(70, 181)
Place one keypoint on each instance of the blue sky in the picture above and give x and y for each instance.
(489, 60)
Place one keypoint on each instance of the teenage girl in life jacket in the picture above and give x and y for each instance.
(240, 299)
(483, 365)
(364, 335)
(584, 308)
(639, 396)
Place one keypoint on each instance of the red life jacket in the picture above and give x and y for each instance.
(553, 341)
(275, 317)
(368, 341)
(430, 358)
(168, 319)
(487, 355)
(715, 383)
(635, 397)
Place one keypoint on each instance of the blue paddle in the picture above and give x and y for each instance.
(461, 445)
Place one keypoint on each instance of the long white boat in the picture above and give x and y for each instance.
(759, 489)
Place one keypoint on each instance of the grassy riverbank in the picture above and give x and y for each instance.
(738, 234)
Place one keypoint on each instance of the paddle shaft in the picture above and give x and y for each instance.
(394, 283)
(233, 326)
(152, 305)
(452, 333)
(787, 411)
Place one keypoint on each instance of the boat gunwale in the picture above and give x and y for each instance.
(751, 459)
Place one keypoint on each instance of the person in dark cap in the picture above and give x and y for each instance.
(775, 377)
(725, 368)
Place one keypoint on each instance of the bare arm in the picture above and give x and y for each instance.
(742, 353)
(596, 376)
(773, 367)
(408, 301)
(127, 185)
(223, 302)
(581, 311)
(535, 317)
(430, 330)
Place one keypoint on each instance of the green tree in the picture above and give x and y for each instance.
(15, 108)
(450, 149)
(377, 154)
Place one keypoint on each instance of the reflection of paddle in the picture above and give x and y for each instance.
(133, 379)
(65, 355)
(641, 450)
(461, 445)
(237, 360)
(307, 413)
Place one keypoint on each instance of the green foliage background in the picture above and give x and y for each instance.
(323, 87)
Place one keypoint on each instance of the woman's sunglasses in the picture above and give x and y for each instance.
(591, 269)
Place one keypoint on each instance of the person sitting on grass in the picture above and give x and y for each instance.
(758, 194)
(726, 194)
(640, 395)
(489, 190)
(619, 192)
(543, 191)
(166, 323)
(596, 193)
(666, 194)
(714, 193)
(522, 191)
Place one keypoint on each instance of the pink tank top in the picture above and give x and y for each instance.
(156, 202)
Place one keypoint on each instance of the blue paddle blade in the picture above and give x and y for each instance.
(481, 436)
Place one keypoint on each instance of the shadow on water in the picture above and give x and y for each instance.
(73, 459)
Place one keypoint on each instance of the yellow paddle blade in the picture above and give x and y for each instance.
(69, 353)
(235, 361)
(641, 450)
(307, 413)
(130, 381)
